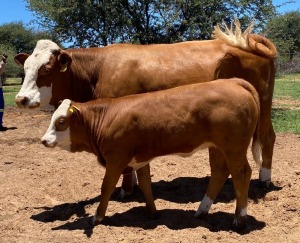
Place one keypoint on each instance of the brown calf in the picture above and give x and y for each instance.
(127, 133)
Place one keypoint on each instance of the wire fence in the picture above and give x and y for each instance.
(287, 63)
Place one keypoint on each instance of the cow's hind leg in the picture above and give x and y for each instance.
(267, 139)
(219, 174)
(112, 175)
(240, 171)
(144, 180)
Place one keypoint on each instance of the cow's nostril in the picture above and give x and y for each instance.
(44, 142)
(21, 101)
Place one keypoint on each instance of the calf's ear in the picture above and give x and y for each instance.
(74, 111)
(21, 58)
(64, 60)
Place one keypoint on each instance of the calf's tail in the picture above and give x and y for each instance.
(256, 145)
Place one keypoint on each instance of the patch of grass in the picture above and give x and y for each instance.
(286, 104)
(286, 120)
(9, 94)
(287, 88)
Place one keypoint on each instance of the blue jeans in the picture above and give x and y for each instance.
(1, 105)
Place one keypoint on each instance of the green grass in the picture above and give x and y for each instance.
(286, 105)
(10, 93)
(286, 120)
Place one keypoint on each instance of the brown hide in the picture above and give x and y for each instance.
(221, 113)
(123, 69)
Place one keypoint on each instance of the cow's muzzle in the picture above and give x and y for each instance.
(23, 102)
(47, 144)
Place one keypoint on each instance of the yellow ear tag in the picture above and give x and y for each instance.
(64, 67)
(71, 109)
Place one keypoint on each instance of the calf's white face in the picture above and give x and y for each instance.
(58, 133)
(37, 96)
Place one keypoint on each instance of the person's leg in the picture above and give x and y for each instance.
(1, 110)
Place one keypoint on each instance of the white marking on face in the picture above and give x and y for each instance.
(40, 56)
(265, 174)
(45, 96)
(204, 206)
(54, 138)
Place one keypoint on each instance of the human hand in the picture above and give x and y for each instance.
(4, 57)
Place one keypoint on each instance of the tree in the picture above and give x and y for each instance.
(21, 38)
(284, 31)
(101, 22)
(16, 38)
(11, 68)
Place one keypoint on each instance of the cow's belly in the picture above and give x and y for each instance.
(135, 165)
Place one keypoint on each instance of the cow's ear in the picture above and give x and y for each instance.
(64, 60)
(21, 58)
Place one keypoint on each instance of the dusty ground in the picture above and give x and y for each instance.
(50, 195)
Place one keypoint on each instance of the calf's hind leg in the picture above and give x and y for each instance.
(240, 171)
(144, 179)
(219, 174)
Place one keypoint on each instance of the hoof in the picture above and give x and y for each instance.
(151, 215)
(239, 223)
(123, 194)
(265, 184)
(97, 220)
(201, 214)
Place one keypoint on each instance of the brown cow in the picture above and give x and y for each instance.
(52, 74)
(128, 132)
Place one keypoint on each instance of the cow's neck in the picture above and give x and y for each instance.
(84, 75)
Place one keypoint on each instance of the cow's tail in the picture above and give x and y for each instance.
(245, 40)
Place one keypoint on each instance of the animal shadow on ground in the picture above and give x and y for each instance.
(192, 189)
(180, 190)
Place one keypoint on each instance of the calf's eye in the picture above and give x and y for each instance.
(61, 124)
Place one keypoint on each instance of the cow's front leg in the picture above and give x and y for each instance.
(144, 180)
(128, 184)
(109, 183)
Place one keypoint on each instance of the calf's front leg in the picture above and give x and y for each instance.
(111, 177)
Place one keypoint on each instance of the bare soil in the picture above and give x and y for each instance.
(50, 195)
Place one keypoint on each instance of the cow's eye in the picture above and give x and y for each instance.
(61, 124)
(47, 69)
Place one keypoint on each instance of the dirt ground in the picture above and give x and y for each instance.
(50, 195)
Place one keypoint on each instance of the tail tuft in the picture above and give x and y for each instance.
(245, 40)
(257, 152)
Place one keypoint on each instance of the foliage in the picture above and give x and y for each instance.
(101, 22)
(22, 39)
(11, 67)
(16, 38)
(284, 31)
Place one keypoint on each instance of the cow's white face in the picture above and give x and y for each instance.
(37, 96)
(58, 133)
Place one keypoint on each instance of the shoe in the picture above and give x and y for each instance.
(3, 129)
